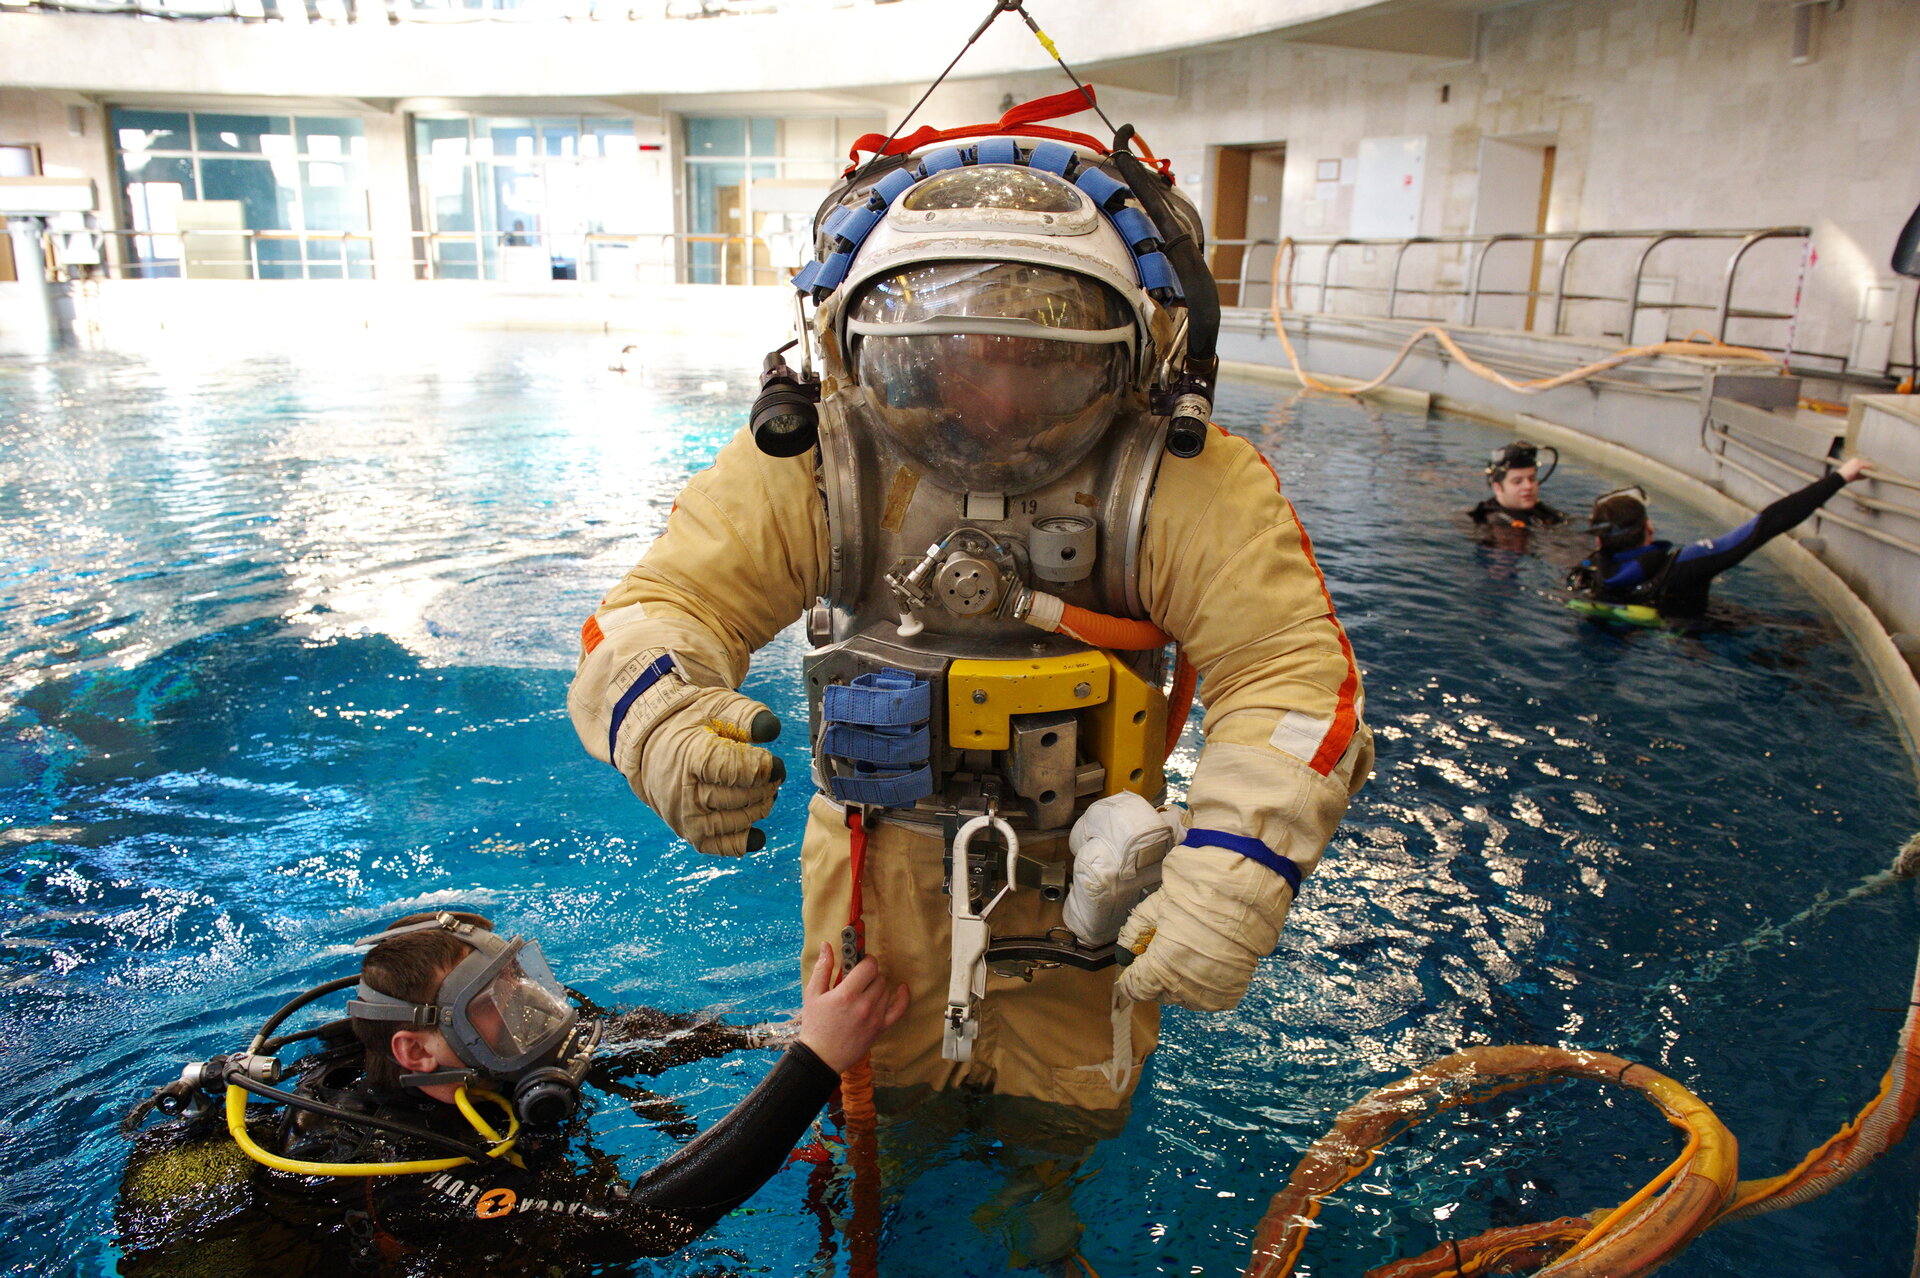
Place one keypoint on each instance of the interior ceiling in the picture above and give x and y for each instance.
(1428, 28)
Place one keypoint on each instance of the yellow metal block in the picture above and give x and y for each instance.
(1129, 734)
(983, 695)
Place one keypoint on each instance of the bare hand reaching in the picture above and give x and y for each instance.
(1854, 467)
(840, 1022)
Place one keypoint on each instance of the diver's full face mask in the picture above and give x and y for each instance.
(993, 376)
(500, 1008)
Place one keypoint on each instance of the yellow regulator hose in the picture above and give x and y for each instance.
(502, 1145)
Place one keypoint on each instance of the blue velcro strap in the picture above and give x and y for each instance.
(889, 187)
(947, 157)
(805, 277)
(1054, 157)
(888, 747)
(901, 790)
(1156, 272)
(859, 222)
(832, 271)
(997, 151)
(1135, 227)
(1106, 192)
(884, 699)
(1252, 849)
(648, 677)
(836, 220)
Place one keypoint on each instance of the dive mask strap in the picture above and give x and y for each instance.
(370, 1004)
(456, 1077)
(442, 922)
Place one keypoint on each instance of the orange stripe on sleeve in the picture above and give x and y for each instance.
(1345, 718)
(591, 634)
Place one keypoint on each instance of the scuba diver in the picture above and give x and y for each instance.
(429, 1130)
(996, 502)
(1657, 580)
(1514, 476)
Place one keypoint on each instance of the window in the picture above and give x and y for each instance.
(752, 186)
(252, 196)
(524, 198)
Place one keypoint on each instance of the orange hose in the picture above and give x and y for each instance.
(1536, 386)
(856, 1096)
(1180, 702)
(1123, 634)
(1630, 1240)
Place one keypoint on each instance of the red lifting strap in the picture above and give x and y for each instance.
(1022, 117)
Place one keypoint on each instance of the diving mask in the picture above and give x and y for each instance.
(1519, 455)
(502, 1012)
(1619, 518)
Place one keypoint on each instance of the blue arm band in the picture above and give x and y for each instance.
(1252, 849)
(648, 677)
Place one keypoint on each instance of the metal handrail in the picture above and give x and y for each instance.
(1723, 309)
(423, 257)
(1246, 260)
(1865, 530)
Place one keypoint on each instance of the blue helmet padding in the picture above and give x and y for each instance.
(847, 227)
(1053, 157)
(1135, 227)
(859, 222)
(1156, 272)
(889, 187)
(947, 157)
(1105, 191)
(833, 270)
(998, 151)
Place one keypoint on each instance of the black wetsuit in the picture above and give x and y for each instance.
(1674, 579)
(1539, 515)
(193, 1202)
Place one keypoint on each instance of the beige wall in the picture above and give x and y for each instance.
(1654, 126)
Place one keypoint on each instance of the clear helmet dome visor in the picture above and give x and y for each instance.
(993, 376)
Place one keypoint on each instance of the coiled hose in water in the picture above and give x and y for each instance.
(1696, 1191)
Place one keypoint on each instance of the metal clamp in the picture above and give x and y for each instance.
(967, 977)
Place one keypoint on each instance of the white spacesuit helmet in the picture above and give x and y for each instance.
(995, 317)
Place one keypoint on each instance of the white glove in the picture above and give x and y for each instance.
(1197, 940)
(1117, 845)
(688, 751)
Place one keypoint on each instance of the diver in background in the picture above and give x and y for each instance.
(444, 1008)
(1513, 475)
(1628, 567)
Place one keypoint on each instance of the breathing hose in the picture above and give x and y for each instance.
(1536, 386)
(1696, 1191)
(502, 1146)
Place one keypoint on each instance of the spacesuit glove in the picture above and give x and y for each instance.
(1198, 939)
(698, 769)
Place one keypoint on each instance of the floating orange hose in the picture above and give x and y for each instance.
(1642, 1232)
(1694, 1193)
(1536, 386)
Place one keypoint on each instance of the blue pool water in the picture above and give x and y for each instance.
(284, 639)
